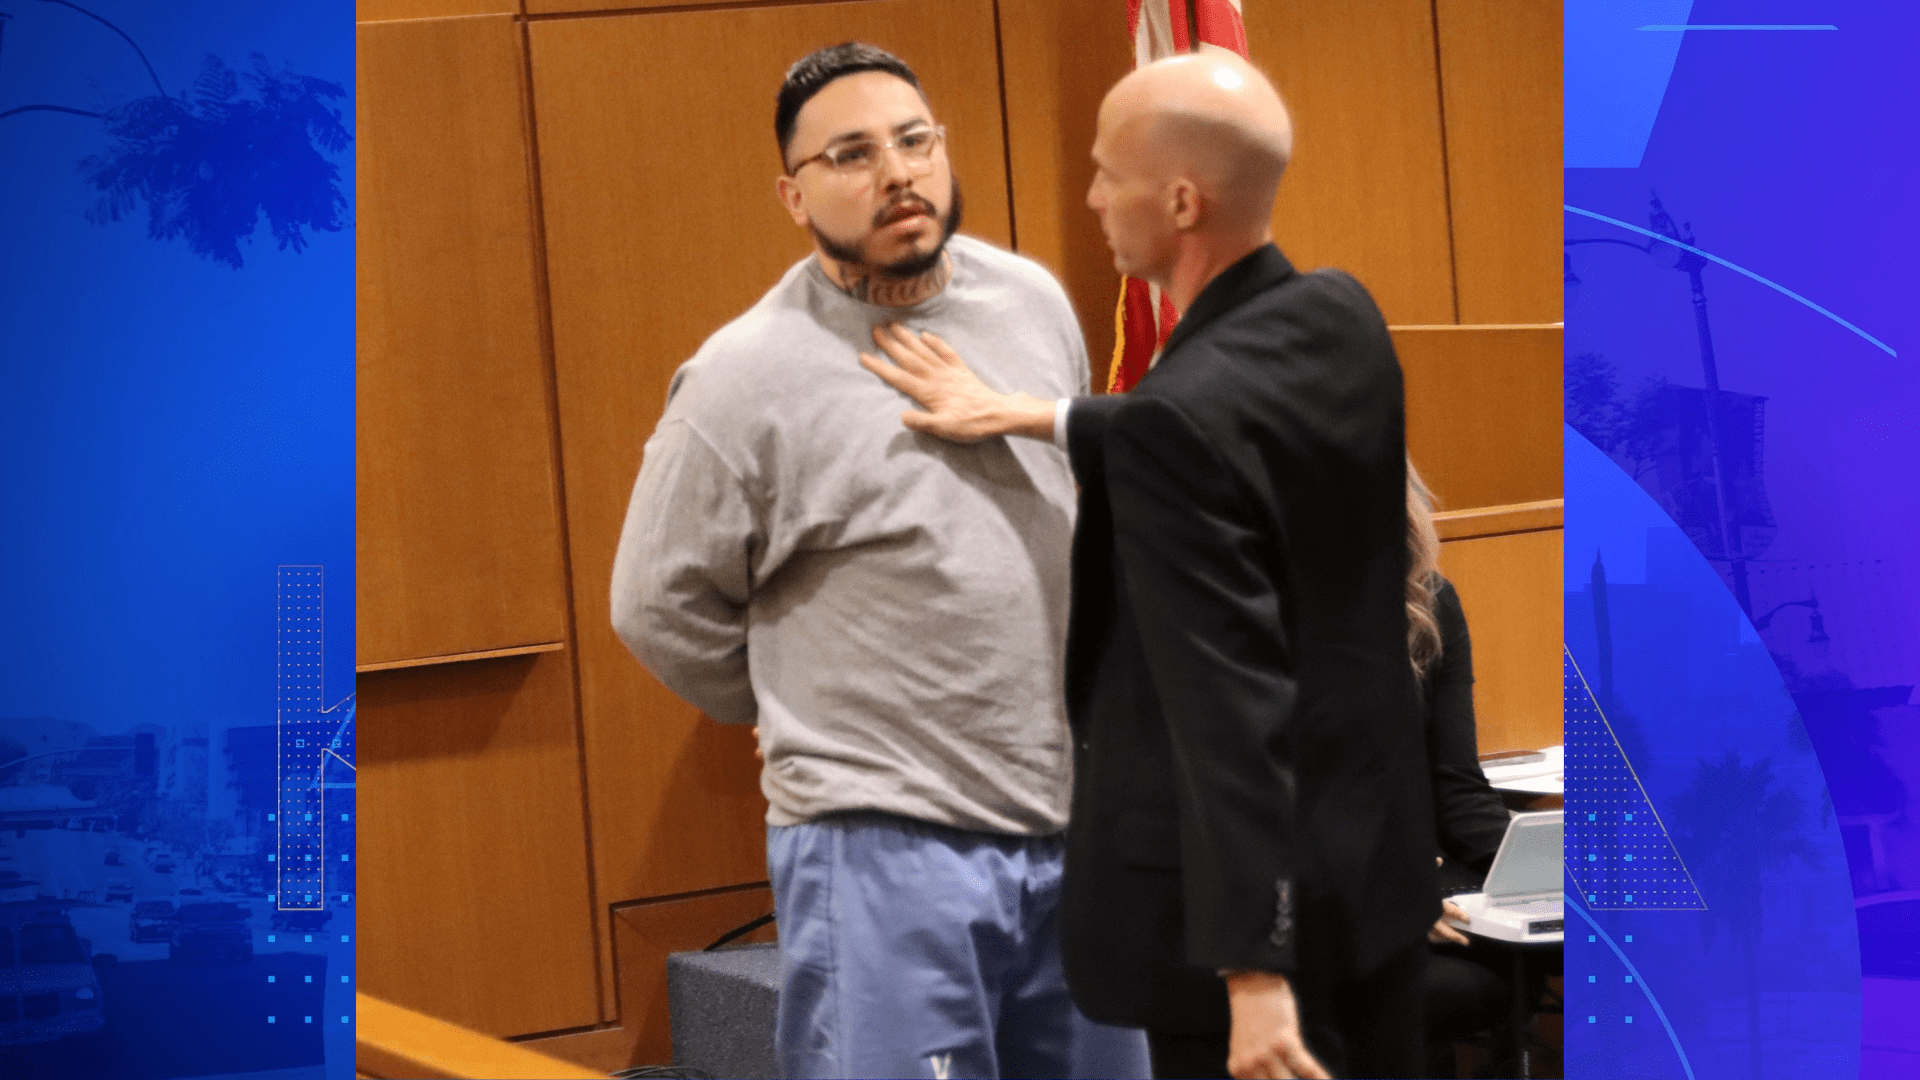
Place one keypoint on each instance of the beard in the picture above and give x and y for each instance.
(853, 255)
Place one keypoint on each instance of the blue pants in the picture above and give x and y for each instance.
(913, 950)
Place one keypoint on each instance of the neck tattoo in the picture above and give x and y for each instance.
(872, 286)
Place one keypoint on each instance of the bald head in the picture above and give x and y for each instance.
(1213, 119)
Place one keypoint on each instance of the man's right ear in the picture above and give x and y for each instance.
(788, 191)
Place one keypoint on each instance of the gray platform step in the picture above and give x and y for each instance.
(722, 1006)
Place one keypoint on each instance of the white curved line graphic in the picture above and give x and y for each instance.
(1710, 257)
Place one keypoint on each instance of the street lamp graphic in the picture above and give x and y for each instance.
(1816, 625)
(1719, 407)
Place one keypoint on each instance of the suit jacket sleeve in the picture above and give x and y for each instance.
(1201, 575)
(1087, 419)
(1471, 818)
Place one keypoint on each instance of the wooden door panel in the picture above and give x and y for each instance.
(1500, 73)
(1061, 57)
(646, 934)
(459, 529)
(553, 7)
(1483, 411)
(474, 902)
(1510, 587)
(384, 10)
(1366, 191)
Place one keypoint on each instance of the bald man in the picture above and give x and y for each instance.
(1249, 866)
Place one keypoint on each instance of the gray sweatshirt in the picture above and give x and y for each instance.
(890, 608)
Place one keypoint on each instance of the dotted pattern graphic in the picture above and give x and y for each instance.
(305, 731)
(1618, 851)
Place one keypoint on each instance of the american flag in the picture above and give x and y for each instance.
(1143, 318)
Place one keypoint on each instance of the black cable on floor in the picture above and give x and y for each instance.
(740, 931)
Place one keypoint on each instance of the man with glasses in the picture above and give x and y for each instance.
(888, 608)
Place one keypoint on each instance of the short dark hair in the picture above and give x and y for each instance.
(811, 73)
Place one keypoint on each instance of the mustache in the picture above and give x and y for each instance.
(906, 205)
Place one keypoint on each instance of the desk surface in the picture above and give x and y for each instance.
(1547, 776)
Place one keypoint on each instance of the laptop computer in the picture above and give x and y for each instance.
(1520, 900)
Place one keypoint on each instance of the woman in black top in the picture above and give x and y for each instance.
(1467, 811)
(1468, 814)
(1467, 981)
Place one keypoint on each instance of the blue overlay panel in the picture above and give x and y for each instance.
(1742, 580)
(176, 427)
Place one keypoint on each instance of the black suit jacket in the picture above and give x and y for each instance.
(1252, 786)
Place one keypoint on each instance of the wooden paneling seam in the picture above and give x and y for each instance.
(544, 304)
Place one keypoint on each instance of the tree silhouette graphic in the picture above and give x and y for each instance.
(208, 165)
(1737, 825)
(208, 169)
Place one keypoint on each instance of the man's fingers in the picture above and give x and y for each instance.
(903, 353)
(906, 342)
(941, 349)
(887, 372)
(1286, 1061)
(891, 375)
(1267, 1063)
(905, 359)
(1305, 1066)
(1272, 1065)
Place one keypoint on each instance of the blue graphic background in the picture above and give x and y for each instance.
(176, 419)
(1777, 743)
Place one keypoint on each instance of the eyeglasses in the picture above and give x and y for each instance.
(862, 158)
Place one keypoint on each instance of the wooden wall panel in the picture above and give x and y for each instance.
(1510, 587)
(1483, 411)
(657, 169)
(548, 7)
(1367, 188)
(1061, 56)
(475, 905)
(459, 531)
(644, 935)
(385, 10)
(1500, 76)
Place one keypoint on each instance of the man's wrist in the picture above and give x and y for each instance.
(1030, 416)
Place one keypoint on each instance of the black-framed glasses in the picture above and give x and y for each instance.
(862, 156)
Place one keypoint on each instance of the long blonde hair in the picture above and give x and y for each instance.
(1423, 574)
